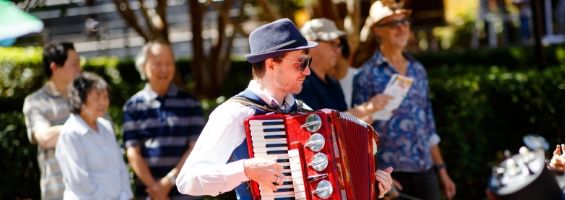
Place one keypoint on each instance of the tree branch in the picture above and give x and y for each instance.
(268, 11)
(130, 18)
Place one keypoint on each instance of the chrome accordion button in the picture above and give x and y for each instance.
(324, 189)
(313, 123)
(319, 162)
(316, 142)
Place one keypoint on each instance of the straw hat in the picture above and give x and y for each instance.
(380, 10)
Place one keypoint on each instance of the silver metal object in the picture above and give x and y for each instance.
(316, 142)
(313, 123)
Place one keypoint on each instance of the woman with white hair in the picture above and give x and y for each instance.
(408, 139)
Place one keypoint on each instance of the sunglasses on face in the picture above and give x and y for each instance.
(333, 43)
(304, 62)
(395, 23)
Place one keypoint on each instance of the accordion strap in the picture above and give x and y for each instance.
(249, 102)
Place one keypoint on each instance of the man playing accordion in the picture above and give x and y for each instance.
(220, 159)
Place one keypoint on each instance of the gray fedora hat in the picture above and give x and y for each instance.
(274, 39)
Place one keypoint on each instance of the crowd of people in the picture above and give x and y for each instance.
(175, 154)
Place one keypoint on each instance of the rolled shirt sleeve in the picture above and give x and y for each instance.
(34, 121)
(206, 171)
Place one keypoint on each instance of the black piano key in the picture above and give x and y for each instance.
(287, 174)
(272, 123)
(274, 136)
(285, 198)
(286, 167)
(273, 129)
(276, 145)
(277, 152)
(283, 160)
(285, 190)
(287, 182)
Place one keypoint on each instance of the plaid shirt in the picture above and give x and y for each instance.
(45, 108)
(406, 138)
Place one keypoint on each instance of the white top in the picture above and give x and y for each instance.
(347, 85)
(205, 172)
(91, 161)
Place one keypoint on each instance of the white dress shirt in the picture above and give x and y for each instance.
(206, 171)
(91, 161)
(347, 85)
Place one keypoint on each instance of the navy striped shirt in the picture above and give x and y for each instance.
(162, 126)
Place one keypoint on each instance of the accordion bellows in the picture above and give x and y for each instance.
(326, 154)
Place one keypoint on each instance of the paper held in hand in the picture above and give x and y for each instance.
(397, 87)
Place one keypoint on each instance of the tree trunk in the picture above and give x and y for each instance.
(209, 69)
(156, 23)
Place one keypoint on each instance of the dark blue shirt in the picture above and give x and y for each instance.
(319, 94)
(162, 126)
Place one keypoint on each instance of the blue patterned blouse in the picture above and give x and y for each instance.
(405, 139)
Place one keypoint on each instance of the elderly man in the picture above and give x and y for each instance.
(47, 109)
(220, 161)
(161, 125)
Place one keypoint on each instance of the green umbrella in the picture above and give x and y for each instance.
(15, 22)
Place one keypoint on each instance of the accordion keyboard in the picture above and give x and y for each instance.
(269, 142)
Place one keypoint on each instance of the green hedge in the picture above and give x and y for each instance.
(480, 110)
(511, 57)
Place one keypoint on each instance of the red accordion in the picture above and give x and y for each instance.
(326, 154)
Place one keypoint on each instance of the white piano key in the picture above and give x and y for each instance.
(300, 195)
(298, 180)
(261, 139)
(277, 195)
(264, 155)
(262, 133)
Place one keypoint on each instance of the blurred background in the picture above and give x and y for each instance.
(496, 67)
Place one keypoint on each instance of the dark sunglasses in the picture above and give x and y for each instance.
(304, 62)
(395, 23)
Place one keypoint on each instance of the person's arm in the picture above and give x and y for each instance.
(449, 187)
(39, 129)
(207, 171)
(47, 138)
(72, 160)
(365, 110)
(139, 166)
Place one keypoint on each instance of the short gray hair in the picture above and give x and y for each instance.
(141, 57)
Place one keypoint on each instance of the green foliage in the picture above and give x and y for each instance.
(19, 175)
(509, 57)
(20, 70)
(482, 111)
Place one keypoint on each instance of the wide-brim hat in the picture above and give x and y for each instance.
(380, 10)
(321, 29)
(275, 39)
